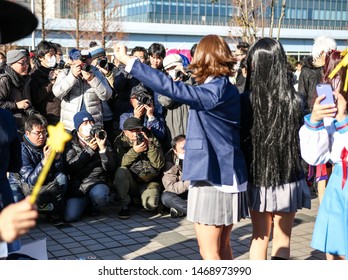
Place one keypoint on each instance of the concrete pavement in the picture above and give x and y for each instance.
(151, 236)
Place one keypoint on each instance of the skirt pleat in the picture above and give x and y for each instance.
(207, 205)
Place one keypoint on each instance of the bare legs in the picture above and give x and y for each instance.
(263, 223)
(214, 242)
(334, 257)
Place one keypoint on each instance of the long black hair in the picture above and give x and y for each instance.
(277, 114)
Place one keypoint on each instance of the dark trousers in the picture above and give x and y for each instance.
(177, 201)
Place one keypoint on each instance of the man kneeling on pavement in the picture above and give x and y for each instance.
(140, 159)
(90, 162)
(35, 154)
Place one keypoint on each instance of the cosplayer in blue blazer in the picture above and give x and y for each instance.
(213, 141)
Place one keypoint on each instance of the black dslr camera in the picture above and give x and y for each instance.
(142, 95)
(179, 74)
(140, 138)
(84, 56)
(98, 131)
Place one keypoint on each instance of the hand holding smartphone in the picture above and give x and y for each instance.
(325, 89)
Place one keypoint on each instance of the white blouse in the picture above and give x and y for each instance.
(321, 143)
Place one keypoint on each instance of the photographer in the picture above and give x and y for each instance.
(42, 81)
(90, 162)
(82, 87)
(140, 160)
(143, 109)
(35, 154)
(14, 87)
(175, 113)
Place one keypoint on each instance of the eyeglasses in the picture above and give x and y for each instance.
(23, 63)
(238, 54)
(39, 133)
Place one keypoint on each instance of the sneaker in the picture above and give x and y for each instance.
(124, 213)
(45, 207)
(175, 213)
(56, 219)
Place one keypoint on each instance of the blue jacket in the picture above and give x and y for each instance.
(32, 164)
(212, 149)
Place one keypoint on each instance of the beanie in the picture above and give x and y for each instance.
(172, 60)
(74, 54)
(14, 55)
(81, 117)
(96, 52)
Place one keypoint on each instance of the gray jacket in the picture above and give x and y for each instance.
(73, 91)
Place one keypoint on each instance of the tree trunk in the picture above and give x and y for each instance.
(272, 18)
(77, 15)
(281, 18)
(43, 28)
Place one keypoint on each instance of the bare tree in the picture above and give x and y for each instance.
(248, 18)
(280, 20)
(251, 17)
(105, 26)
(273, 2)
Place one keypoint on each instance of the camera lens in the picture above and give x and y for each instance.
(101, 135)
(86, 67)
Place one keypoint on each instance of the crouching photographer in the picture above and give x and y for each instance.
(140, 160)
(90, 163)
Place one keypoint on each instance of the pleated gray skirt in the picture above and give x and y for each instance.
(286, 198)
(209, 206)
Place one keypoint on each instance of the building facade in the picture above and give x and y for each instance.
(181, 23)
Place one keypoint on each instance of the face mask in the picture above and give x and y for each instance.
(52, 61)
(181, 156)
(2, 62)
(86, 130)
(172, 73)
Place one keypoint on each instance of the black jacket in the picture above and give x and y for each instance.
(310, 76)
(87, 167)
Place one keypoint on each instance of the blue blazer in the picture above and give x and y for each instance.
(212, 149)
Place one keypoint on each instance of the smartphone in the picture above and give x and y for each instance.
(326, 89)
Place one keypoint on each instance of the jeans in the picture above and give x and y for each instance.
(98, 196)
(177, 201)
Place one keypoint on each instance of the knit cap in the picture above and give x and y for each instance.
(14, 55)
(81, 117)
(172, 60)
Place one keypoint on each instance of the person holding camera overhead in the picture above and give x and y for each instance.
(90, 162)
(82, 87)
(144, 109)
(140, 160)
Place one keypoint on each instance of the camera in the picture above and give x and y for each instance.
(31, 111)
(142, 95)
(102, 62)
(140, 138)
(98, 131)
(60, 65)
(84, 56)
(86, 67)
(179, 74)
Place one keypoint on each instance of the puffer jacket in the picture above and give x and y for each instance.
(73, 91)
(87, 167)
(32, 157)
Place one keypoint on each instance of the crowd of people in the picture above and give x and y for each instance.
(214, 135)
